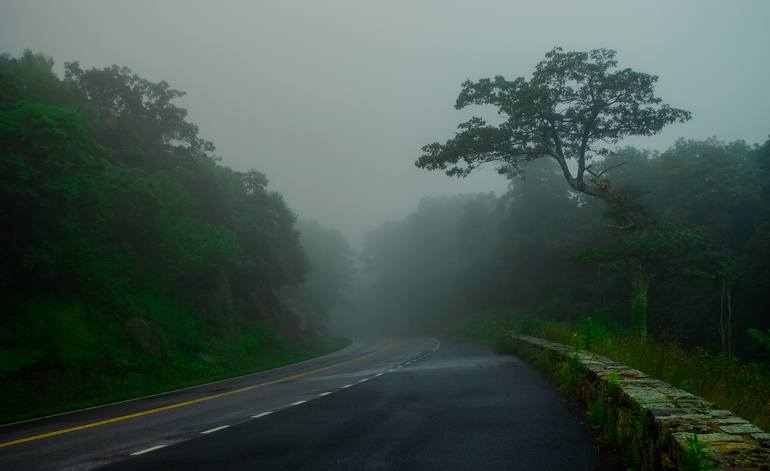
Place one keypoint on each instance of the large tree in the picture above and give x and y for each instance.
(573, 109)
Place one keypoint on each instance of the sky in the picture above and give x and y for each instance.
(333, 99)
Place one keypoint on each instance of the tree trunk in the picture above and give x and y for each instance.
(729, 323)
(726, 322)
(640, 287)
(600, 280)
(722, 328)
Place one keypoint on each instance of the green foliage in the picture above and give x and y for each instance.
(691, 224)
(574, 102)
(117, 219)
(706, 237)
(192, 246)
(696, 458)
(597, 414)
(591, 334)
(743, 388)
(639, 308)
(761, 339)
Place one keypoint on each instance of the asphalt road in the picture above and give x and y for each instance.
(403, 403)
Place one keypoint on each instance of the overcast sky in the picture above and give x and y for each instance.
(333, 99)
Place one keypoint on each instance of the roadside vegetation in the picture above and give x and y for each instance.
(741, 387)
(131, 259)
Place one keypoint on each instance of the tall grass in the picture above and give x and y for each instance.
(743, 388)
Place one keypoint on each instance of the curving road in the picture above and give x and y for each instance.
(400, 403)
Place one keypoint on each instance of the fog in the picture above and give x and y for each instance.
(332, 100)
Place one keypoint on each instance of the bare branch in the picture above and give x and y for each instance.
(595, 176)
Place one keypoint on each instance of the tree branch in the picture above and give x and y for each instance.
(595, 176)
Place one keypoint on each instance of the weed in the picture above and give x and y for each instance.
(729, 384)
(597, 414)
(696, 458)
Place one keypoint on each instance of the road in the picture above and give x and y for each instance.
(400, 403)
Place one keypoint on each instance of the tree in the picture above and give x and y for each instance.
(330, 272)
(575, 105)
(661, 252)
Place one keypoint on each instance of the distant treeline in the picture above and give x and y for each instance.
(127, 249)
(547, 250)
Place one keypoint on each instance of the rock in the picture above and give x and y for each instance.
(741, 428)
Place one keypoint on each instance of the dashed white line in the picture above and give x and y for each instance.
(297, 403)
(147, 450)
(215, 429)
(378, 375)
(324, 394)
(363, 380)
(261, 414)
(346, 386)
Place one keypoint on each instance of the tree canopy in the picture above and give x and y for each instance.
(125, 245)
(574, 108)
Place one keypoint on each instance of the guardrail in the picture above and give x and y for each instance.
(654, 425)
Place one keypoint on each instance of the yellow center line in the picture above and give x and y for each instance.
(182, 404)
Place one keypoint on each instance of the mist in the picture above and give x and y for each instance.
(332, 100)
(351, 234)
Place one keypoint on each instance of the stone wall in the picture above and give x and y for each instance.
(651, 423)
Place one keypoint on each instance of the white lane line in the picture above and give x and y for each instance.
(346, 386)
(324, 394)
(363, 380)
(261, 414)
(147, 450)
(400, 366)
(297, 403)
(215, 429)
(378, 375)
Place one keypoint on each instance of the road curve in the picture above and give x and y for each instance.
(93, 437)
(399, 403)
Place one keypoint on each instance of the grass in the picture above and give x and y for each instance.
(25, 399)
(743, 388)
(62, 356)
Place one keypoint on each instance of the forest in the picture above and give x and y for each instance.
(540, 260)
(132, 260)
(656, 259)
(546, 250)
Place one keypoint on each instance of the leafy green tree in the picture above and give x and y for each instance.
(136, 118)
(46, 162)
(714, 186)
(124, 241)
(330, 269)
(574, 106)
(659, 252)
